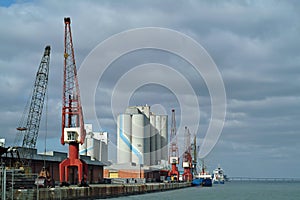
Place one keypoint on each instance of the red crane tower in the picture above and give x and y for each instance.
(73, 132)
(173, 152)
(187, 158)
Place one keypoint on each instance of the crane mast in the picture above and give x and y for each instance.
(73, 132)
(31, 128)
(195, 150)
(71, 111)
(173, 152)
(187, 157)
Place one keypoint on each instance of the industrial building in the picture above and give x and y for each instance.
(135, 173)
(50, 160)
(94, 152)
(142, 141)
(95, 144)
(142, 136)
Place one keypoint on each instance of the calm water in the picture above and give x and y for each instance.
(230, 191)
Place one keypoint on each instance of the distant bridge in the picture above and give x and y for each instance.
(264, 179)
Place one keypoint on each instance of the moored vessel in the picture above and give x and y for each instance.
(218, 176)
(203, 178)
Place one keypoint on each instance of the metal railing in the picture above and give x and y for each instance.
(17, 185)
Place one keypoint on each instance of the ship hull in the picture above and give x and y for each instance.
(204, 182)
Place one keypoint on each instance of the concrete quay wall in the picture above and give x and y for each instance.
(105, 191)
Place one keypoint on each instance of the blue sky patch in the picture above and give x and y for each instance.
(7, 3)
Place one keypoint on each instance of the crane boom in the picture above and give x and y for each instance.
(37, 101)
(36, 105)
(173, 138)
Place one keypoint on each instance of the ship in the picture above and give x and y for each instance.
(203, 178)
(218, 176)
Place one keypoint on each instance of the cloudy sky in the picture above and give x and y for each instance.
(255, 45)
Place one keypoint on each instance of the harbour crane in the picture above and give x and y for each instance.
(173, 152)
(187, 158)
(30, 130)
(195, 149)
(73, 132)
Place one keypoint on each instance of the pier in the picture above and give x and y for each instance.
(97, 191)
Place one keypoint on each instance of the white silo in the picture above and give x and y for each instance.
(124, 131)
(152, 140)
(88, 128)
(158, 137)
(147, 141)
(137, 138)
(89, 134)
(132, 110)
(164, 137)
(144, 109)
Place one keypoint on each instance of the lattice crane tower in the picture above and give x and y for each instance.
(73, 132)
(30, 130)
(187, 158)
(173, 152)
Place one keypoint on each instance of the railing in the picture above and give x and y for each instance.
(16, 185)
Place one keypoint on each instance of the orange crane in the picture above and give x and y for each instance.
(187, 158)
(73, 132)
(173, 152)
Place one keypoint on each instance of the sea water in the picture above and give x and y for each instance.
(234, 190)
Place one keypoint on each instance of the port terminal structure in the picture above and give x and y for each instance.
(147, 139)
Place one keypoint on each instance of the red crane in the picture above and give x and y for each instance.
(173, 152)
(187, 158)
(73, 132)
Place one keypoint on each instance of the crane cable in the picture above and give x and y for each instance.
(21, 123)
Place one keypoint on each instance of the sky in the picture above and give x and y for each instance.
(254, 44)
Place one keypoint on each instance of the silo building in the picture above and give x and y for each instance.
(95, 144)
(142, 136)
